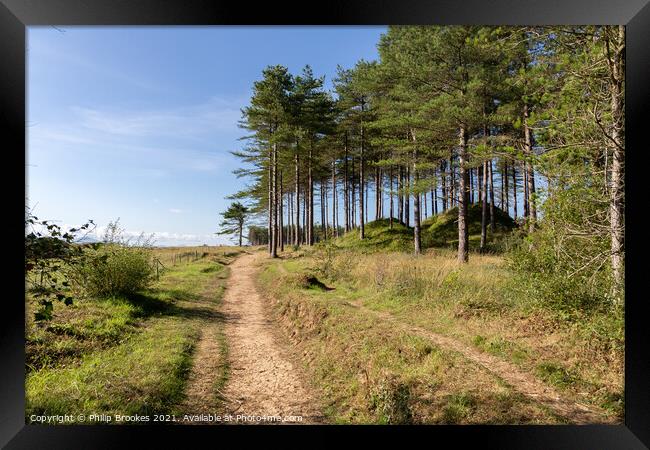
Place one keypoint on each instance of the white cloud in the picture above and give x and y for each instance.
(160, 141)
(41, 49)
(160, 238)
(165, 159)
(194, 121)
(175, 210)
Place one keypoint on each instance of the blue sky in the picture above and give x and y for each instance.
(138, 122)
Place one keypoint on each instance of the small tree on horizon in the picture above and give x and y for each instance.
(233, 220)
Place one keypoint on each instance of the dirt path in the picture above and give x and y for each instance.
(262, 379)
(263, 382)
(520, 381)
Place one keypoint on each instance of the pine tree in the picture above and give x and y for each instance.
(234, 219)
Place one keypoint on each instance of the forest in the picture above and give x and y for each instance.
(526, 121)
(469, 183)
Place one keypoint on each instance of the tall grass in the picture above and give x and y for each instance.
(435, 276)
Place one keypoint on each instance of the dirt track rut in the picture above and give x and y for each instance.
(263, 382)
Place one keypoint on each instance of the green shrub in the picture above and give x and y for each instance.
(114, 270)
(324, 258)
(119, 266)
(555, 374)
(564, 264)
(545, 274)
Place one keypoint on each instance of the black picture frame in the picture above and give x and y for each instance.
(16, 15)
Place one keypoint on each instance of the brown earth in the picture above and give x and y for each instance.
(263, 382)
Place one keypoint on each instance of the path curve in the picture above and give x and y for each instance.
(262, 380)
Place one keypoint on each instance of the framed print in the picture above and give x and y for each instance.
(416, 218)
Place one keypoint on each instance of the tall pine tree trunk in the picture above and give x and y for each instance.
(367, 191)
(290, 238)
(281, 215)
(452, 181)
(443, 179)
(380, 194)
(407, 196)
(616, 59)
(391, 197)
(463, 232)
(502, 197)
(334, 200)
(353, 202)
(434, 196)
(514, 189)
(270, 201)
(471, 185)
(484, 206)
(296, 237)
(528, 150)
(310, 182)
(377, 193)
(346, 193)
(324, 190)
(327, 206)
(491, 181)
(274, 234)
(525, 171)
(400, 195)
(305, 207)
(416, 203)
(480, 181)
(505, 186)
(362, 229)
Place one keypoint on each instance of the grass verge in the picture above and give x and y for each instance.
(474, 303)
(125, 355)
(370, 372)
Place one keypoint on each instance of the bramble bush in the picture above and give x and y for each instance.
(119, 267)
(49, 253)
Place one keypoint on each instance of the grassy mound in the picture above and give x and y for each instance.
(379, 236)
(440, 230)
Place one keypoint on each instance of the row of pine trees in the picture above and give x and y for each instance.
(445, 117)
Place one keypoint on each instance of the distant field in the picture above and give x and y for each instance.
(177, 255)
